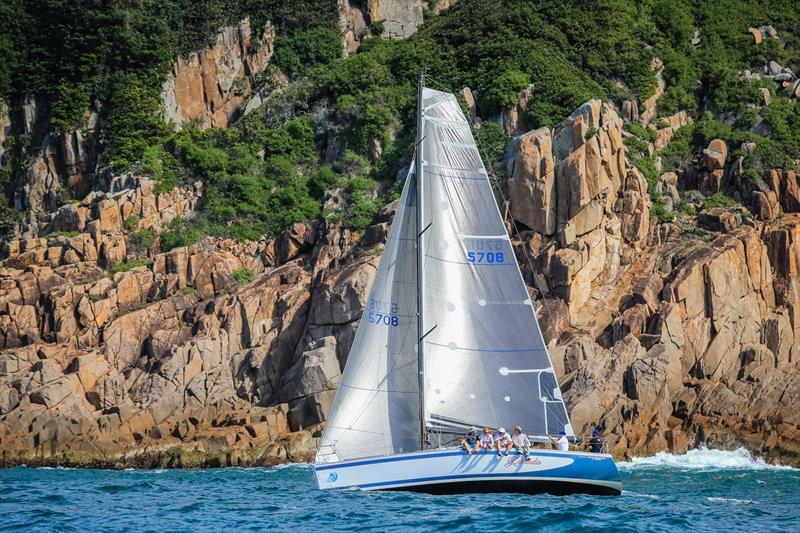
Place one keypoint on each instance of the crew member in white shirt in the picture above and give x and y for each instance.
(503, 441)
(562, 443)
(486, 442)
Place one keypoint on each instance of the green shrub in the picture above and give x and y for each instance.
(128, 265)
(130, 222)
(300, 53)
(242, 276)
(141, 240)
(680, 151)
(687, 208)
(659, 211)
(502, 94)
(491, 139)
(377, 28)
(181, 233)
(718, 199)
(161, 166)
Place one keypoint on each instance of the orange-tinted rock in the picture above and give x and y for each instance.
(208, 86)
(532, 182)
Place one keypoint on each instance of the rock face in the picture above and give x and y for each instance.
(399, 18)
(573, 186)
(664, 342)
(209, 86)
(171, 355)
(532, 181)
(62, 166)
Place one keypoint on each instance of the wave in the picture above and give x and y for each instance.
(703, 459)
(734, 501)
(640, 495)
(291, 465)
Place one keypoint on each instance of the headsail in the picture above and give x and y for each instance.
(485, 362)
(376, 410)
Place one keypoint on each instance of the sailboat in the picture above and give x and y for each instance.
(449, 340)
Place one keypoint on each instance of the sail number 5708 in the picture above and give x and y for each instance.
(382, 313)
(485, 257)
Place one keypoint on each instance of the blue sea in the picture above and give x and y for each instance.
(704, 490)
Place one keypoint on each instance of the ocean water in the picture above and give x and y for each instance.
(704, 490)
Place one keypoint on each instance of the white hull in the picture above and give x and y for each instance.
(448, 471)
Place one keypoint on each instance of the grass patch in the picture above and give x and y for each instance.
(128, 265)
(718, 199)
(141, 240)
(242, 276)
(130, 222)
(68, 234)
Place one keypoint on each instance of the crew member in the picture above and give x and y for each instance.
(470, 441)
(486, 442)
(562, 443)
(595, 443)
(503, 441)
(520, 441)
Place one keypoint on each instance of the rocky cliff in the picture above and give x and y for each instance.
(666, 335)
(670, 335)
(110, 347)
(666, 338)
(209, 86)
(392, 19)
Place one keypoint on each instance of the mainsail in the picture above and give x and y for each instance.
(483, 361)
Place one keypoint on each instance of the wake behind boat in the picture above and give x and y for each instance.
(449, 340)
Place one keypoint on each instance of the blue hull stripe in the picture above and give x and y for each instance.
(433, 455)
(530, 475)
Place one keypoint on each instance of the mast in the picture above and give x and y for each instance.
(420, 260)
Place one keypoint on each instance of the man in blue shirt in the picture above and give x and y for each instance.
(470, 440)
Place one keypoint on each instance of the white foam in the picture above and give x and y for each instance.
(703, 459)
(734, 501)
(291, 465)
(640, 495)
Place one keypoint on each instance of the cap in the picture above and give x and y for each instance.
(473, 428)
(595, 432)
(562, 433)
(502, 430)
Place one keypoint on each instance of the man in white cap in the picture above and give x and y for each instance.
(503, 441)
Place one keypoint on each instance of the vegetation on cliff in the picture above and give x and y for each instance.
(346, 125)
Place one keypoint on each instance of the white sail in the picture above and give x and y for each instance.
(485, 361)
(376, 410)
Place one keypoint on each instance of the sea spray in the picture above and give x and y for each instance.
(703, 459)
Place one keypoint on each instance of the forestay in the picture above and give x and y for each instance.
(485, 361)
(376, 410)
